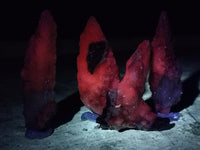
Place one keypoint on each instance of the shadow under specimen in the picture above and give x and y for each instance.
(190, 92)
(66, 109)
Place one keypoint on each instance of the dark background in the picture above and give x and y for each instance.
(18, 20)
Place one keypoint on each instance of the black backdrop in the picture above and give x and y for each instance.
(18, 20)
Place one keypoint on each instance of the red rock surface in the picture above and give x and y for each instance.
(164, 64)
(39, 68)
(119, 103)
(132, 108)
(38, 73)
(93, 88)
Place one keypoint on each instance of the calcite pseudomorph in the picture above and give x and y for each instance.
(38, 75)
(165, 73)
(119, 103)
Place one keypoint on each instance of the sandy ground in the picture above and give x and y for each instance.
(72, 133)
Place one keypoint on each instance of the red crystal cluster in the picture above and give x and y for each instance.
(119, 102)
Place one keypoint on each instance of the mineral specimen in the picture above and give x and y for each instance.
(129, 109)
(97, 68)
(118, 103)
(38, 77)
(165, 71)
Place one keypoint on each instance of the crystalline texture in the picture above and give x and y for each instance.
(132, 110)
(97, 69)
(118, 103)
(38, 74)
(165, 73)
